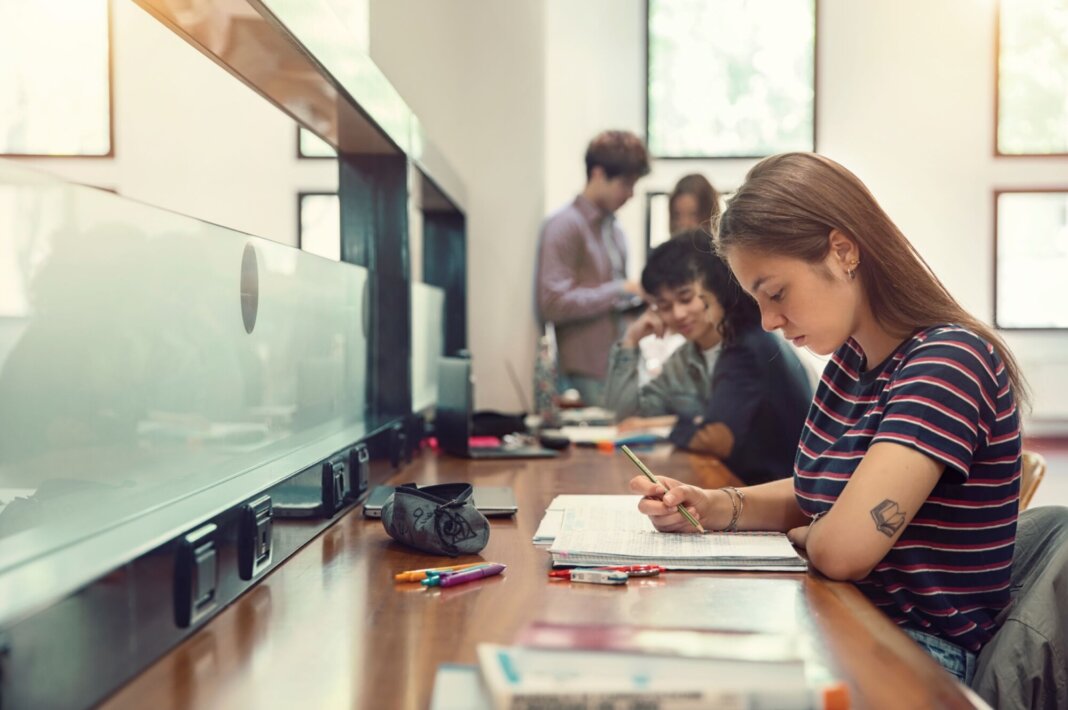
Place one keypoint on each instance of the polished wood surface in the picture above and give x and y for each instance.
(330, 628)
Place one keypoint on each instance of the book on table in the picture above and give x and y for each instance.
(725, 643)
(593, 435)
(526, 677)
(605, 531)
(591, 512)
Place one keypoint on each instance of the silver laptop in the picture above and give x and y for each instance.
(452, 420)
(490, 500)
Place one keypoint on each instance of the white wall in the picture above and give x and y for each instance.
(191, 138)
(905, 100)
(473, 72)
(511, 92)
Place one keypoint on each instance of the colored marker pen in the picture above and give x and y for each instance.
(451, 580)
(434, 577)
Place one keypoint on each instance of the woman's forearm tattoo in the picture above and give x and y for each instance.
(888, 517)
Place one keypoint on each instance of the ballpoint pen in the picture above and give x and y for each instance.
(631, 570)
(418, 575)
(649, 474)
(469, 575)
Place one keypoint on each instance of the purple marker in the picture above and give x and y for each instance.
(469, 575)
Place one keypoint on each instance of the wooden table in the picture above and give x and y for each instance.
(330, 629)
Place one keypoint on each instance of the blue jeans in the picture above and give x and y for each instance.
(960, 662)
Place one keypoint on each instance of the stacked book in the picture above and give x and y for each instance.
(588, 666)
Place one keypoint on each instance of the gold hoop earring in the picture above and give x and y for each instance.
(853, 270)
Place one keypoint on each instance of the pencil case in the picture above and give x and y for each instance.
(440, 519)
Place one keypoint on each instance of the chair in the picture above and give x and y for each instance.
(1025, 665)
(1034, 468)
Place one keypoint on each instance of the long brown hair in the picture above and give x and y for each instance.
(788, 206)
(701, 189)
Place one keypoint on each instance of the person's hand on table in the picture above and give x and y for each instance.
(662, 507)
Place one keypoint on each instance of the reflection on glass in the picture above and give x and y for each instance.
(127, 378)
(733, 78)
(54, 92)
(320, 225)
(428, 343)
(1032, 259)
(1033, 77)
(312, 146)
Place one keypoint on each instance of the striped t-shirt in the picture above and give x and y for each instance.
(945, 393)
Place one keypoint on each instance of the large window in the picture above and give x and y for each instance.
(1032, 86)
(320, 224)
(731, 79)
(310, 145)
(55, 98)
(1031, 241)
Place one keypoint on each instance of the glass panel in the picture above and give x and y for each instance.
(1032, 259)
(428, 343)
(320, 225)
(54, 85)
(147, 356)
(748, 91)
(312, 146)
(1033, 77)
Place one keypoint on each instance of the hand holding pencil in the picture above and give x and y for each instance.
(648, 484)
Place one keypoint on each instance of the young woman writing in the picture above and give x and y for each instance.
(906, 479)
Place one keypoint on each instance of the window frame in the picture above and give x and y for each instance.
(110, 153)
(998, 192)
(300, 153)
(300, 214)
(997, 99)
(815, 93)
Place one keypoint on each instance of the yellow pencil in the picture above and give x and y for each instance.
(649, 474)
(417, 575)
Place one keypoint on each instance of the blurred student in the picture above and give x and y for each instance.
(731, 390)
(582, 256)
(907, 475)
(693, 204)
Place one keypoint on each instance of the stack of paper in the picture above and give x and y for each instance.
(608, 531)
(720, 551)
(614, 512)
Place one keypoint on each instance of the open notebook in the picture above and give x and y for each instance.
(592, 535)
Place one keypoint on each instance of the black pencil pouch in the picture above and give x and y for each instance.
(441, 519)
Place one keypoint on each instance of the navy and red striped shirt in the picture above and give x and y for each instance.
(944, 392)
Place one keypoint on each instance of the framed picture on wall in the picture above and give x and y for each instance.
(1032, 78)
(1030, 258)
(730, 79)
